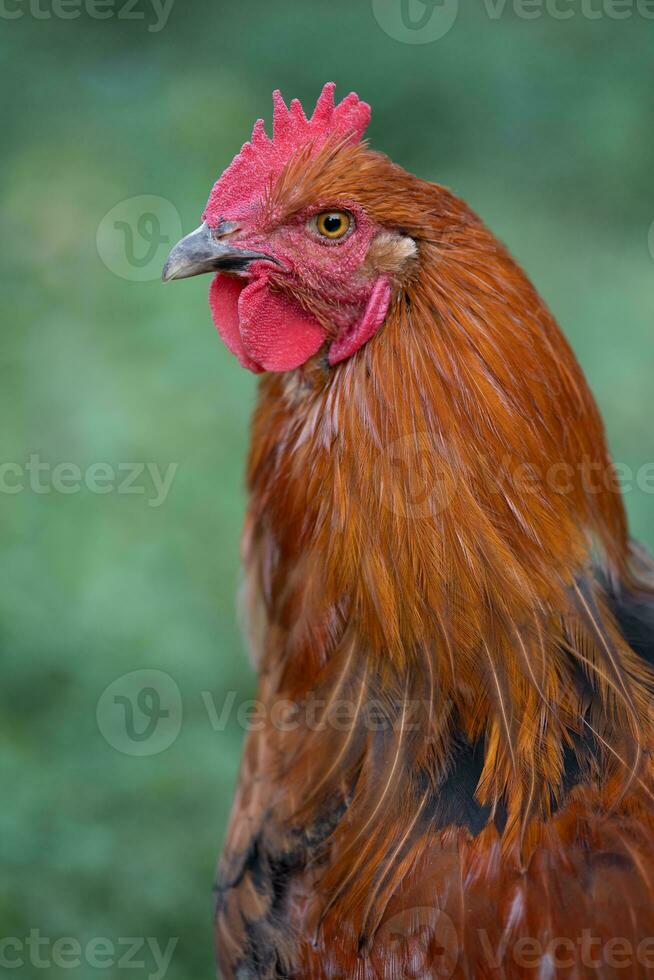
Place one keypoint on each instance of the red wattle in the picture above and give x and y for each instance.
(224, 295)
(265, 330)
(276, 333)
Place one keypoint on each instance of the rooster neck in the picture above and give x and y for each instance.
(392, 566)
(437, 483)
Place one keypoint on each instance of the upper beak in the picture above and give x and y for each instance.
(201, 252)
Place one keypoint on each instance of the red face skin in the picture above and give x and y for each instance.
(257, 312)
(277, 313)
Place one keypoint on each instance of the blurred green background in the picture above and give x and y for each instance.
(544, 125)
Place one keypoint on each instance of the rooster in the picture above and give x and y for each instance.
(450, 774)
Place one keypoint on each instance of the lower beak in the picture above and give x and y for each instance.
(200, 252)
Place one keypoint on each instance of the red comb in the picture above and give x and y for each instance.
(261, 159)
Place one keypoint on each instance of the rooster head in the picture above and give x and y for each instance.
(301, 256)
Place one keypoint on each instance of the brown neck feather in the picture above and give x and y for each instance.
(422, 526)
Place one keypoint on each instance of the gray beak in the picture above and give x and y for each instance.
(201, 252)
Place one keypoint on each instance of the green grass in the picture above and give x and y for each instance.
(543, 126)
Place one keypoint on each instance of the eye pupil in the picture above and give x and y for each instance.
(332, 223)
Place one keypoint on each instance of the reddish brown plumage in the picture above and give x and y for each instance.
(424, 554)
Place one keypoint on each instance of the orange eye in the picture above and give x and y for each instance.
(333, 224)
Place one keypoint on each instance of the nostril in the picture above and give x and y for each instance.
(224, 228)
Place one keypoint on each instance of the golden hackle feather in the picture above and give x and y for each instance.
(408, 549)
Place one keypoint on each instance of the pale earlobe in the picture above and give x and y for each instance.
(390, 254)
